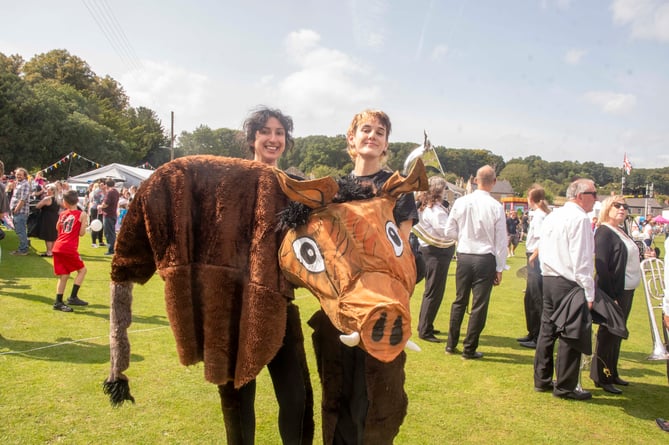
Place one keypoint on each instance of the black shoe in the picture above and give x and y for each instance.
(621, 382)
(609, 388)
(450, 350)
(76, 302)
(431, 338)
(472, 356)
(60, 306)
(109, 253)
(663, 424)
(436, 331)
(528, 344)
(574, 395)
(528, 337)
(545, 388)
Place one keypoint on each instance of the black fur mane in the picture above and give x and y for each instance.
(297, 214)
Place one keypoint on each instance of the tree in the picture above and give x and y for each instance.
(518, 176)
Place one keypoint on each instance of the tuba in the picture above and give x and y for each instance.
(428, 154)
(652, 274)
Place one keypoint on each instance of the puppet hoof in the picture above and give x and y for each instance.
(411, 346)
(351, 339)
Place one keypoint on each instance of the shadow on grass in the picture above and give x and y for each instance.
(92, 310)
(63, 350)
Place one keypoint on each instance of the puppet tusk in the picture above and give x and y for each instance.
(411, 346)
(351, 339)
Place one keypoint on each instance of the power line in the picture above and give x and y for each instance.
(112, 31)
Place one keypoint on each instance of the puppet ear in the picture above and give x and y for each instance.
(314, 194)
(397, 184)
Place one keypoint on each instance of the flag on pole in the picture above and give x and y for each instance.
(627, 165)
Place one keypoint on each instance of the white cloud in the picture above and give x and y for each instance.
(368, 21)
(439, 52)
(574, 56)
(610, 102)
(648, 19)
(327, 84)
(161, 86)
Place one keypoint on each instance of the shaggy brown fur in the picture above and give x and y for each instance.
(207, 224)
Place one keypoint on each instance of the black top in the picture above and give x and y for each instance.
(610, 261)
(405, 207)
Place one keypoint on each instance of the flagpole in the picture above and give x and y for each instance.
(622, 181)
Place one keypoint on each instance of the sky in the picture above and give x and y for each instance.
(578, 80)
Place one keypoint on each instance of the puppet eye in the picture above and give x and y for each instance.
(393, 235)
(307, 253)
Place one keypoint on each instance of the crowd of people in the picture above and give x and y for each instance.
(569, 261)
(33, 207)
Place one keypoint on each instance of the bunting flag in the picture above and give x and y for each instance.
(66, 158)
(627, 165)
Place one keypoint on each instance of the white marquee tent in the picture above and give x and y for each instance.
(118, 172)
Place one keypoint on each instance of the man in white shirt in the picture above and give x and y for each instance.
(566, 250)
(478, 222)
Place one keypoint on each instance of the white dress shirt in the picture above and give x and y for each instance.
(432, 222)
(567, 247)
(537, 217)
(478, 222)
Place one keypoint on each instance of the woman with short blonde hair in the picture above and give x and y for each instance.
(618, 274)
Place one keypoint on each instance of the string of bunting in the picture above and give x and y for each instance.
(64, 159)
(73, 155)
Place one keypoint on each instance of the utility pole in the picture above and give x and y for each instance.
(172, 138)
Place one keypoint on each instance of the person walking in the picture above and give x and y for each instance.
(478, 223)
(566, 251)
(66, 259)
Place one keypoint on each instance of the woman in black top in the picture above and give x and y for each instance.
(618, 274)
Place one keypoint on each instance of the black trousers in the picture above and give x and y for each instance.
(568, 359)
(437, 261)
(292, 387)
(607, 348)
(474, 275)
(533, 298)
(96, 236)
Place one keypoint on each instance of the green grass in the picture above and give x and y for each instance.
(52, 365)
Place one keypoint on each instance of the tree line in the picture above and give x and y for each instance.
(55, 104)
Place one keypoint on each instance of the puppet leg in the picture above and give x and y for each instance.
(388, 401)
(239, 412)
(363, 399)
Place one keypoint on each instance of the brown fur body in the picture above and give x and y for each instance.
(208, 226)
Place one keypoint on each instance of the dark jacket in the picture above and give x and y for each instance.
(610, 261)
(573, 321)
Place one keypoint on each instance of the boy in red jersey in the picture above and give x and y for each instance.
(71, 225)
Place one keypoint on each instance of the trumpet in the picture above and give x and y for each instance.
(652, 274)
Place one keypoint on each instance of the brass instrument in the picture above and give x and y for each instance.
(429, 156)
(652, 275)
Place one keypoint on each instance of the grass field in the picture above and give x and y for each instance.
(52, 365)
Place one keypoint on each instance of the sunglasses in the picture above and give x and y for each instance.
(619, 205)
(589, 193)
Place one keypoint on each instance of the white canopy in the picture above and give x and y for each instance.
(118, 172)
